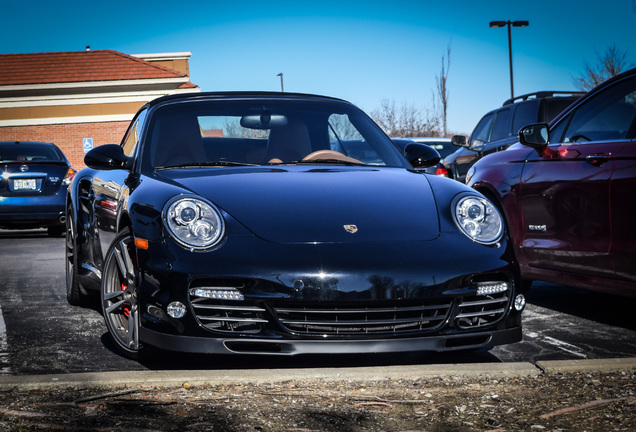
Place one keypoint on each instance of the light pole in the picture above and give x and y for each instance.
(510, 24)
(281, 82)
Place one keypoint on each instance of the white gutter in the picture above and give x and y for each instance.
(93, 84)
(88, 99)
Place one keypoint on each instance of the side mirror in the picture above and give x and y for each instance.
(421, 155)
(536, 136)
(107, 157)
(458, 140)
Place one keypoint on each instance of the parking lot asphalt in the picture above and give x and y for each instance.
(166, 379)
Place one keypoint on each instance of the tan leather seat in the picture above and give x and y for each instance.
(288, 143)
(177, 140)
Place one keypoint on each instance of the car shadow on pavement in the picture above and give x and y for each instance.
(595, 306)
(17, 234)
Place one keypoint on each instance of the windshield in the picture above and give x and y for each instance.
(265, 132)
(24, 152)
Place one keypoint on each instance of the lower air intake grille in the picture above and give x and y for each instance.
(230, 318)
(380, 318)
(482, 310)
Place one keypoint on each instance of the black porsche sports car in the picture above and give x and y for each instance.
(283, 224)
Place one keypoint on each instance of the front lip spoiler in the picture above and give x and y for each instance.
(207, 345)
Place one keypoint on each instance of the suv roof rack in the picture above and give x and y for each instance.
(541, 95)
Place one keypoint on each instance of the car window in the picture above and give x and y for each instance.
(525, 114)
(553, 107)
(481, 134)
(266, 132)
(501, 127)
(444, 148)
(607, 116)
(131, 139)
(11, 152)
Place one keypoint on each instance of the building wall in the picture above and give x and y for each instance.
(77, 110)
(68, 137)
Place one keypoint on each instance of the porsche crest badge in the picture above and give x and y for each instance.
(352, 229)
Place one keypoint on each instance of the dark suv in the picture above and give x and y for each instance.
(498, 129)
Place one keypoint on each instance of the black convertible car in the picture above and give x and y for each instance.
(283, 224)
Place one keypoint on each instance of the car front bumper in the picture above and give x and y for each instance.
(436, 343)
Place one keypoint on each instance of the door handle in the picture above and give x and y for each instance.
(597, 159)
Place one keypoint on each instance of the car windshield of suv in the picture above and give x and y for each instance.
(12, 152)
(481, 134)
(265, 132)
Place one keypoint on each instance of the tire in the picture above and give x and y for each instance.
(119, 295)
(74, 294)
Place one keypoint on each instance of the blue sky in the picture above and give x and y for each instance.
(362, 51)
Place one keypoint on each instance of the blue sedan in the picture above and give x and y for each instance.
(35, 176)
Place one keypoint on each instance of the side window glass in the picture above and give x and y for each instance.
(608, 116)
(556, 134)
(501, 128)
(525, 114)
(481, 134)
(131, 139)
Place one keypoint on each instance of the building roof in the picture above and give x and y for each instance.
(79, 66)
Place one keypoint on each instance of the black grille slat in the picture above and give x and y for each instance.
(358, 323)
(483, 302)
(482, 310)
(227, 308)
(482, 313)
(385, 318)
(237, 317)
(361, 310)
(231, 319)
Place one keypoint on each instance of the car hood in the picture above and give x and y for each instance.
(300, 204)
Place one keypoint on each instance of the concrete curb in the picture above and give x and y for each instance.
(587, 365)
(265, 376)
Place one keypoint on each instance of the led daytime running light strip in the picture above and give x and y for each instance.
(485, 288)
(218, 293)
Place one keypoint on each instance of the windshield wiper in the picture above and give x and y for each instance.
(204, 165)
(323, 161)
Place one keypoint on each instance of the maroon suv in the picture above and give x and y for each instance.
(568, 191)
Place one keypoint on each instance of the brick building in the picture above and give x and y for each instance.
(82, 98)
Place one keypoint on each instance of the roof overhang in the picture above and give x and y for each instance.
(95, 86)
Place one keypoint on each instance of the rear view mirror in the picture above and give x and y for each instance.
(107, 157)
(535, 136)
(263, 121)
(421, 155)
(458, 140)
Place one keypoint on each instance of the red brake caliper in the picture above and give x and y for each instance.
(126, 309)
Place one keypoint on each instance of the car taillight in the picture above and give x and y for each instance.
(441, 172)
(69, 176)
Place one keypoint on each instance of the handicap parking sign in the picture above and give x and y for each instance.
(88, 144)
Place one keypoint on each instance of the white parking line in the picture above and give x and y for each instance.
(5, 366)
(564, 346)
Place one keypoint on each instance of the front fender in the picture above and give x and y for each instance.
(498, 177)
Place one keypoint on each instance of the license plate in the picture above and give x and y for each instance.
(24, 184)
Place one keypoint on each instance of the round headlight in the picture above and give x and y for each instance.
(194, 223)
(478, 219)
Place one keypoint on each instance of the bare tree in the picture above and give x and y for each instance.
(405, 121)
(610, 64)
(442, 89)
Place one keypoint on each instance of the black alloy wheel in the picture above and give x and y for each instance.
(119, 295)
(73, 291)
